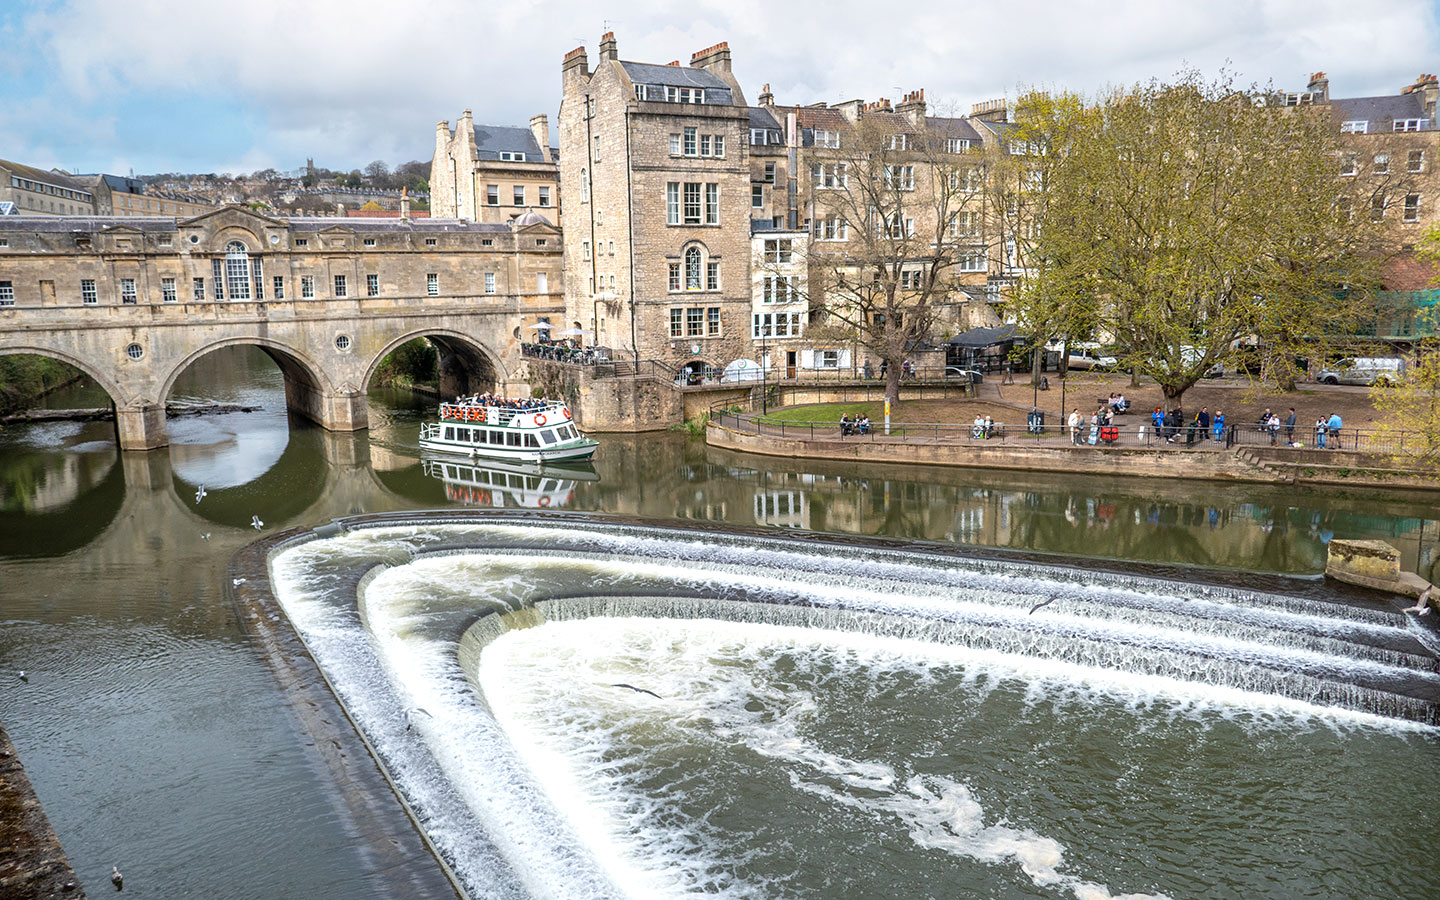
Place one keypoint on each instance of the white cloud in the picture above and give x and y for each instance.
(348, 81)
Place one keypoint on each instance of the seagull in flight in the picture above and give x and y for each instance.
(205, 536)
(200, 493)
(255, 523)
(413, 713)
(638, 690)
(1046, 602)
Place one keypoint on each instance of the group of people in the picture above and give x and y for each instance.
(858, 425)
(1101, 422)
(1118, 404)
(983, 427)
(1326, 428)
(495, 400)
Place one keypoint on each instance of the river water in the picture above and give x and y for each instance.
(158, 740)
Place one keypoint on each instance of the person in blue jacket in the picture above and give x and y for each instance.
(1333, 427)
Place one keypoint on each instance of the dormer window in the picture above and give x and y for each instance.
(1410, 124)
(899, 142)
(640, 91)
(685, 95)
(511, 156)
(1355, 126)
(956, 145)
(758, 137)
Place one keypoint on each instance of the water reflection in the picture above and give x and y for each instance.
(499, 485)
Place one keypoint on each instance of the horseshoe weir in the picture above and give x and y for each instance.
(594, 706)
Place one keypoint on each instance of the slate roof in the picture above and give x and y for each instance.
(490, 140)
(761, 118)
(953, 128)
(681, 76)
(826, 118)
(1380, 111)
(34, 174)
(85, 224)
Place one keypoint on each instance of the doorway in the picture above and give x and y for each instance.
(791, 363)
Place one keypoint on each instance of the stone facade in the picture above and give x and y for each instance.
(132, 302)
(494, 173)
(657, 177)
(36, 192)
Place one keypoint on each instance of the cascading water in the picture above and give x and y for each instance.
(586, 709)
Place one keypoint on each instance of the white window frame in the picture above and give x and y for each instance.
(372, 284)
(168, 293)
(127, 292)
(972, 261)
(432, 284)
(1415, 162)
(1381, 164)
(757, 196)
(340, 285)
(307, 287)
(89, 296)
(690, 142)
(1412, 210)
(1409, 125)
(7, 293)
(544, 195)
(1355, 126)
(489, 282)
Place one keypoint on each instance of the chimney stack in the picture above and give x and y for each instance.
(575, 63)
(715, 58)
(540, 128)
(913, 106)
(990, 111)
(404, 206)
(608, 48)
(766, 98)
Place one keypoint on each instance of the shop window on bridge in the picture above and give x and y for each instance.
(237, 271)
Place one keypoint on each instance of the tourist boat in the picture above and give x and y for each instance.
(501, 485)
(543, 434)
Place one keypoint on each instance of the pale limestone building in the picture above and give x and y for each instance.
(494, 173)
(657, 179)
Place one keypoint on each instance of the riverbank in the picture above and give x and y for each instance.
(1201, 462)
(33, 865)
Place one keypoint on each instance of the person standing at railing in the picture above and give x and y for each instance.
(1333, 426)
(1074, 423)
(1218, 426)
(1290, 428)
(1320, 430)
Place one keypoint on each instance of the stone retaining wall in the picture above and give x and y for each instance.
(1197, 462)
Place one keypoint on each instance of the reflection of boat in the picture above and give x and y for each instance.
(514, 485)
(544, 434)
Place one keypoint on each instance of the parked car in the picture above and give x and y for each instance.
(1090, 356)
(957, 373)
(1366, 370)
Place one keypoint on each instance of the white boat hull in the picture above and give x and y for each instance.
(514, 454)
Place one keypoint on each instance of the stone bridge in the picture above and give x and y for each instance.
(133, 305)
(327, 350)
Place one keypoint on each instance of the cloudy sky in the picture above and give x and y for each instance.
(211, 86)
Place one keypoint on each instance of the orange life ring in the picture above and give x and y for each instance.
(566, 412)
(474, 415)
(544, 500)
(539, 418)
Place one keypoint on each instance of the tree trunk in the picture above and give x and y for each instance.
(892, 380)
(1173, 394)
(1037, 357)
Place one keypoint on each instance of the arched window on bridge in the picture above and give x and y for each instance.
(237, 271)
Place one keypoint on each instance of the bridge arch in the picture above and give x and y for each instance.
(467, 365)
(106, 383)
(295, 364)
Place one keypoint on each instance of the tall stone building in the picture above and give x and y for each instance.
(658, 185)
(494, 173)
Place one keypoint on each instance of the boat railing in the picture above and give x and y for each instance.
(479, 413)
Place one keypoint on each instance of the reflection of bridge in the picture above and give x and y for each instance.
(129, 309)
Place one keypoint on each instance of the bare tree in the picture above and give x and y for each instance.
(891, 218)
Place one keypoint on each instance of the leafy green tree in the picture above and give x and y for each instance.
(1184, 220)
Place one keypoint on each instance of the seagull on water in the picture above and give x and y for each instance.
(116, 878)
(638, 690)
(255, 523)
(1046, 602)
(23, 677)
(201, 493)
(205, 536)
(237, 581)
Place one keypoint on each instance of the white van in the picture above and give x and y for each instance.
(1366, 370)
(1087, 355)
